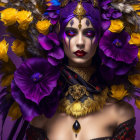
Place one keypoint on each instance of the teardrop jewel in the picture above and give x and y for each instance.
(76, 127)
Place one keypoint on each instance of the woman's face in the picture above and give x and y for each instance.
(79, 44)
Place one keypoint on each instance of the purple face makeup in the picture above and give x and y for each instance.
(87, 22)
(93, 14)
(72, 22)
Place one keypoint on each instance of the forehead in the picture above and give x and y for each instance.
(85, 22)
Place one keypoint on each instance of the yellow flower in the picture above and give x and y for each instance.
(24, 18)
(118, 92)
(6, 80)
(2, 4)
(135, 79)
(18, 47)
(116, 26)
(14, 111)
(135, 39)
(136, 7)
(137, 102)
(43, 26)
(138, 13)
(8, 16)
(139, 54)
(3, 50)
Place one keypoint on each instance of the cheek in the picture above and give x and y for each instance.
(91, 46)
(69, 42)
(89, 43)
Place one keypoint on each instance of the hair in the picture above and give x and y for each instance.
(93, 14)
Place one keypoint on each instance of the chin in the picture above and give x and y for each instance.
(80, 61)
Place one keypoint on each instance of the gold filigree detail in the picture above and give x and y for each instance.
(80, 12)
(77, 91)
(84, 72)
(65, 2)
(77, 108)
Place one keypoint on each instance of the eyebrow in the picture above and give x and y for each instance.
(75, 29)
(89, 29)
(71, 28)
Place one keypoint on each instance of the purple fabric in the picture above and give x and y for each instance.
(92, 13)
(33, 89)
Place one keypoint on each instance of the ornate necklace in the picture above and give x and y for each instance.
(80, 97)
(84, 72)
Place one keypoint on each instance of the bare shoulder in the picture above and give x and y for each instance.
(39, 121)
(124, 111)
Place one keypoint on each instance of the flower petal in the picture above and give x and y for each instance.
(44, 42)
(57, 53)
(29, 109)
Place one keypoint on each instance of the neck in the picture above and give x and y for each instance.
(80, 65)
(84, 72)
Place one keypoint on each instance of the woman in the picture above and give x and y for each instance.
(83, 100)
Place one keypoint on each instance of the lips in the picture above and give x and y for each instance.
(80, 53)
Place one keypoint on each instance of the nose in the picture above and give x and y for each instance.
(80, 41)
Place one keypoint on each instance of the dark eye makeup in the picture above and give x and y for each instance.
(88, 32)
(71, 32)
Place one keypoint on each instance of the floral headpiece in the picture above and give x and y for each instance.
(32, 23)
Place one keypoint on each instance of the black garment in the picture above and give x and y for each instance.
(125, 131)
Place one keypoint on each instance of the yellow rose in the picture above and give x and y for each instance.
(134, 79)
(2, 4)
(14, 111)
(137, 102)
(43, 26)
(18, 47)
(3, 50)
(116, 26)
(135, 39)
(118, 92)
(138, 13)
(136, 7)
(8, 16)
(24, 18)
(6, 80)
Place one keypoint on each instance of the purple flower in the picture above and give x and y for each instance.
(105, 25)
(28, 108)
(111, 68)
(51, 44)
(52, 13)
(117, 47)
(36, 79)
(108, 11)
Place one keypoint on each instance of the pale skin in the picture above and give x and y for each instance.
(97, 124)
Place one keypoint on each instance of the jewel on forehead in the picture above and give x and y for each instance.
(80, 12)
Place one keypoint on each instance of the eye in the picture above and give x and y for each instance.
(70, 33)
(89, 34)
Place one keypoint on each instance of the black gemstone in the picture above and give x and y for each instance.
(76, 126)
